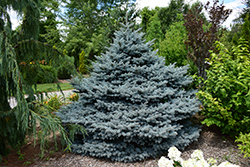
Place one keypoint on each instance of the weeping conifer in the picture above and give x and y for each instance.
(19, 48)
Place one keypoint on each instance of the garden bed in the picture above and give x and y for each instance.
(211, 142)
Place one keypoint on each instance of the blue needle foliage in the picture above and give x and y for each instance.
(132, 106)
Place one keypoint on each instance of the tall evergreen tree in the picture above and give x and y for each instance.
(16, 50)
(133, 106)
(146, 14)
(154, 32)
(168, 14)
(245, 33)
(48, 23)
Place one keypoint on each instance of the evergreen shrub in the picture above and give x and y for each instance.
(83, 68)
(47, 74)
(226, 92)
(64, 69)
(132, 105)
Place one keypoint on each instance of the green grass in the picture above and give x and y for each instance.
(51, 87)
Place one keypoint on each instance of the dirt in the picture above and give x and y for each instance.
(211, 142)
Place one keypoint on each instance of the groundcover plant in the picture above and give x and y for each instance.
(132, 105)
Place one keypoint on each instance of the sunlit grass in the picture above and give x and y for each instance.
(51, 87)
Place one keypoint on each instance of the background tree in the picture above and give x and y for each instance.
(245, 11)
(154, 32)
(245, 33)
(173, 47)
(48, 24)
(84, 21)
(168, 15)
(146, 14)
(201, 40)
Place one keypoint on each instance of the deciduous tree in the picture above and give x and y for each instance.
(200, 40)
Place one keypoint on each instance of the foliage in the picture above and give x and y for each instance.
(201, 40)
(245, 33)
(244, 139)
(16, 48)
(64, 69)
(238, 31)
(225, 94)
(173, 48)
(146, 14)
(166, 15)
(46, 75)
(48, 31)
(93, 13)
(83, 68)
(244, 12)
(74, 97)
(154, 32)
(54, 102)
(196, 160)
(132, 105)
(113, 20)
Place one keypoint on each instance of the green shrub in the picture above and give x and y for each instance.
(226, 92)
(47, 74)
(54, 102)
(74, 97)
(245, 146)
(83, 68)
(173, 46)
(29, 72)
(64, 70)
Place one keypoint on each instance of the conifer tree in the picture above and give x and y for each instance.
(16, 50)
(154, 31)
(132, 106)
(245, 33)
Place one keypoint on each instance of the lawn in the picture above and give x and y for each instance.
(51, 87)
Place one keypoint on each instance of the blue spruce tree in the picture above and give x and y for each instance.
(132, 107)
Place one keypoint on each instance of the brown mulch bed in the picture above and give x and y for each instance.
(211, 142)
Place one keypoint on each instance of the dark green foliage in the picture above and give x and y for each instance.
(47, 74)
(18, 50)
(8, 119)
(146, 14)
(91, 38)
(132, 105)
(244, 12)
(168, 15)
(201, 40)
(48, 23)
(64, 69)
(245, 33)
(226, 95)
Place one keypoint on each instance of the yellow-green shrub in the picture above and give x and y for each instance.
(226, 92)
(245, 146)
(83, 68)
